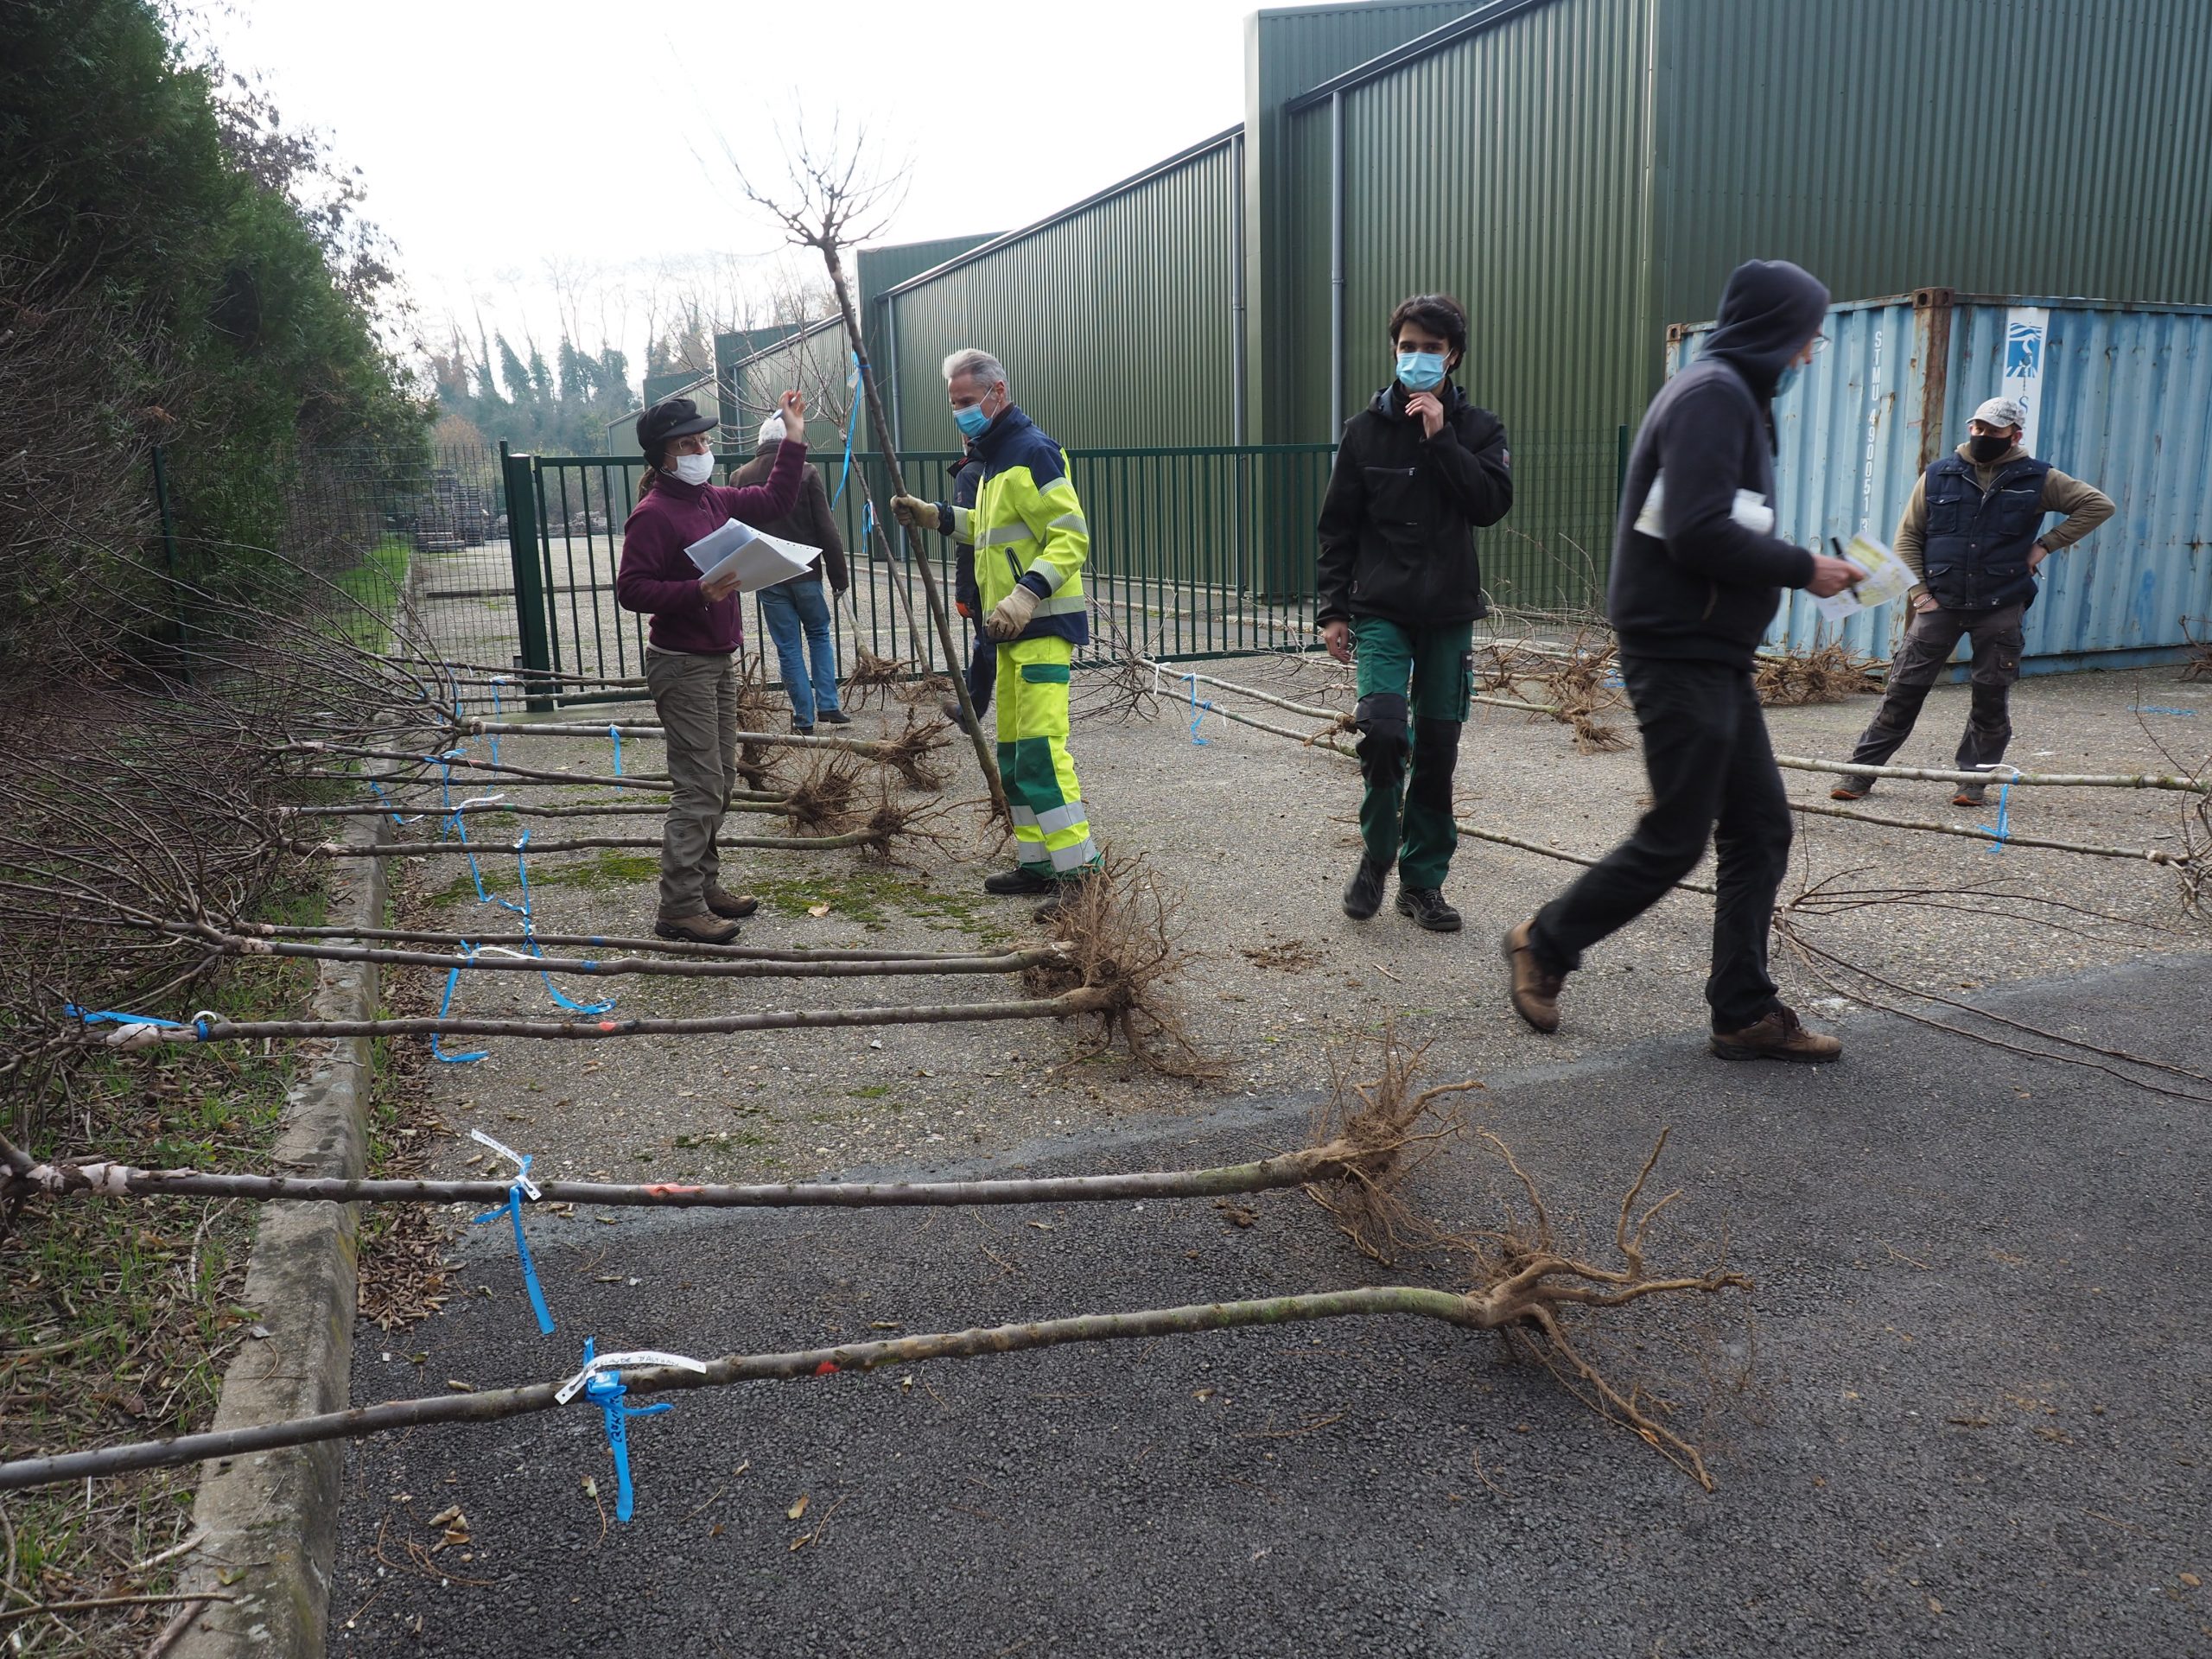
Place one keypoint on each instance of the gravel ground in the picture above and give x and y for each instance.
(1976, 1423)
(1256, 834)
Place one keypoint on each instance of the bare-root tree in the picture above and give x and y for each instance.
(831, 200)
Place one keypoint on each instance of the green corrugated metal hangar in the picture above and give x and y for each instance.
(1582, 173)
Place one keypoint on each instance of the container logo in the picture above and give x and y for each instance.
(2027, 331)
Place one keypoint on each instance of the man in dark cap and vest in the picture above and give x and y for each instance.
(1973, 535)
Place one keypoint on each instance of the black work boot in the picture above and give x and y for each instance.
(1020, 882)
(1428, 908)
(1363, 892)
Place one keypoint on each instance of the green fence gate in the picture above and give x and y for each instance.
(1194, 553)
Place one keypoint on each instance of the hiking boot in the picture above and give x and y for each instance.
(1064, 893)
(1536, 989)
(1428, 907)
(1970, 795)
(1019, 882)
(1852, 786)
(798, 730)
(731, 906)
(1778, 1036)
(702, 929)
(1363, 892)
(835, 716)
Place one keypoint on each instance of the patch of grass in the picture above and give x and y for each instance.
(874, 1091)
(120, 1316)
(374, 586)
(870, 895)
(601, 873)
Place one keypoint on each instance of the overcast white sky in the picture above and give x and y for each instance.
(500, 140)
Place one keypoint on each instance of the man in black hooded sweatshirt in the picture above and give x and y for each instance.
(1697, 574)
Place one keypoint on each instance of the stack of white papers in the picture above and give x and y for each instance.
(760, 561)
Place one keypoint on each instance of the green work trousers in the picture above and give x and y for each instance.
(1414, 688)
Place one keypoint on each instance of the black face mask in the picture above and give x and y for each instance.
(1986, 449)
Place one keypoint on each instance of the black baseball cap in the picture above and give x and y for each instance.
(671, 417)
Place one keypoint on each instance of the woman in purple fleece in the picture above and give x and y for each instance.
(690, 665)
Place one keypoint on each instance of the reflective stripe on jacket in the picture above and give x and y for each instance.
(1028, 527)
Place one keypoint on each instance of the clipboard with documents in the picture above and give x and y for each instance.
(760, 560)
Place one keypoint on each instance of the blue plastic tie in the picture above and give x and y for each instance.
(198, 1027)
(389, 807)
(615, 732)
(512, 1210)
(496, 709)
(452, 824)
(2004, 826)
(2152, 708)
(605, 1392)
(530, 938)
(452, 978)
(1198, 710)
(852, 420)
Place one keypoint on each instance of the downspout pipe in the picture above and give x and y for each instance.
(1336, 265)
(1236, 344)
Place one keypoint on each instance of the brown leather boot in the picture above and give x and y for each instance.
(732, 906)
(1535, 988)
(1779, 1036)
(701, 929)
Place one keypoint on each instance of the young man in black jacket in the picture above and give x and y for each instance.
(1400, 588)
(1697, 574)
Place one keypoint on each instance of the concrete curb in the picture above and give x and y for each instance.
(270, 1520)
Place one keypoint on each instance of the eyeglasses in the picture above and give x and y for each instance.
(1820, 344)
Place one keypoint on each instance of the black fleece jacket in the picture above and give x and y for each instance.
(1397, 524)
(1708, 584)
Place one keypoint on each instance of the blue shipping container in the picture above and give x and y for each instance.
(2117, 395)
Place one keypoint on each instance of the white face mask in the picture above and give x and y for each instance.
(695, 469)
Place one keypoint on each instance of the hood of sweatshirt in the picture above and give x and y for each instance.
(1768, 312)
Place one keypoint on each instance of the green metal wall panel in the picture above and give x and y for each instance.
(1998, 146)
(1505, 168)
(1115, 322)
(1288, 49)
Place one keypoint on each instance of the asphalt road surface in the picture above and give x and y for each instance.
(1975, 1421)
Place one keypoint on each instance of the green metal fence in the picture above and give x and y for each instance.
(1195, 552)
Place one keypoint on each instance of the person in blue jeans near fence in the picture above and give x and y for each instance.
(797, 612)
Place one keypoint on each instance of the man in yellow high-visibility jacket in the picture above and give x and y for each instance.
(1031, 544)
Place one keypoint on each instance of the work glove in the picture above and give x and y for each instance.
(916, 513)
(1011, 615)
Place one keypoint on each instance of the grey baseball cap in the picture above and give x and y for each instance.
(2002, 412)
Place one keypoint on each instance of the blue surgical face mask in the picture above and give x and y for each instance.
(1787, 379)
(971, 421)
(1420, 371)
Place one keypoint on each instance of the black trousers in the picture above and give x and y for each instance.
(1713, 777)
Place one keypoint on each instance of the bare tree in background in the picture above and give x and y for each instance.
(830, 200)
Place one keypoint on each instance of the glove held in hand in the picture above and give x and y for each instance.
(1011, 615)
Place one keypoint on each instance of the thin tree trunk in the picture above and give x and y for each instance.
(600, 941)
(583, 844)
(494, 1405)
(2063, 779)
(1006, 962)
(1086, 999)
(110, 1180)
(985, 759)
(2141, 854)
